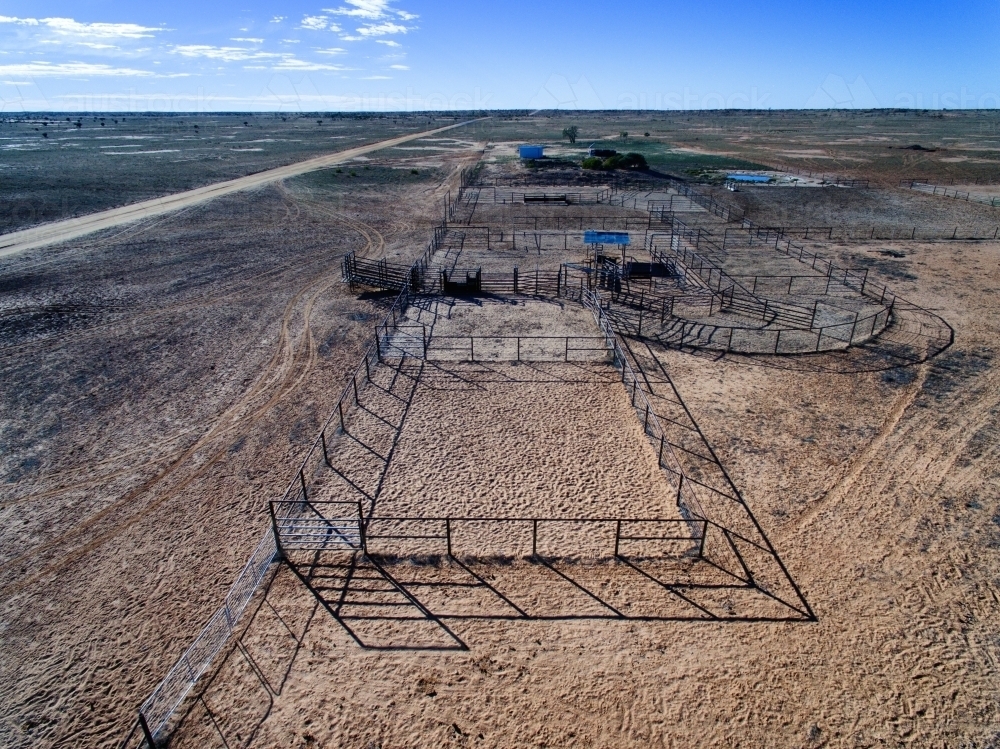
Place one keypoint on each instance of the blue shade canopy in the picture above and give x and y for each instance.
(605, 237)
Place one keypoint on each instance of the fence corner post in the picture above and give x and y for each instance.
(146, 733)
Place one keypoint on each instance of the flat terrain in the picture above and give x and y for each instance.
(54, 170)
(160, 380)
(157, 381)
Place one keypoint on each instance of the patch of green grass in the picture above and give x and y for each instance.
(700, 167)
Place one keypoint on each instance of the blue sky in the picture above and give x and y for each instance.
(108, 55)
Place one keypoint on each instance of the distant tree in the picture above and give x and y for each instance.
(571, 132)
(646, 134)
(624, 134)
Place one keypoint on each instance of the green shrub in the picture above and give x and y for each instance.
(633, 161)
(618, 161)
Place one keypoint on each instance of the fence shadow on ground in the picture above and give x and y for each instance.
(255, 668)
(393, 603)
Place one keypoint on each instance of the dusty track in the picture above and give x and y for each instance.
(62, 231)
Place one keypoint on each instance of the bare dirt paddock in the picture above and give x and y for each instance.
(877, 487)
(158, 385)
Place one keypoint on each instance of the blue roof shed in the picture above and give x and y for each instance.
(530, 152)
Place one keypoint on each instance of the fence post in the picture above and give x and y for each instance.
(361, 529)
(534, 538)
(302, 479)
(147, 734)
(472, 349)
(322, 438)
(275, 533)
(659, 459)
(680, 486)
(566, 356)
(447, 533)
(618, 534)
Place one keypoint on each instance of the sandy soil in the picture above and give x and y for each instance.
(157, 384)
(873, 485)
(876, 484)
(536, 440)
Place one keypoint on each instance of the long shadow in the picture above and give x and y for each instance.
(434, 591)
(365, 586)
(767, 547)
(240, 727)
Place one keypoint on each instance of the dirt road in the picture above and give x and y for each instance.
(61, 231)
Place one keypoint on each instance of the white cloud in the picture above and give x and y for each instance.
(293, 63)
(226, 54)
(22, 21)
(70, 27)
(318, 23)
(388, 42)
(291, 41)
(377, 78)
(263, 60)
(314, 23)
(372, 9)
(247, 39)
(97, 45)
(400, 67)
(278, 19)
(68, 69)
(381, 29)
(332, 51)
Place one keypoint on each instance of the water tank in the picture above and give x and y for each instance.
(530, 152)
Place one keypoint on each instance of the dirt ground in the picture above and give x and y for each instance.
(877, 488)
(158, 384)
